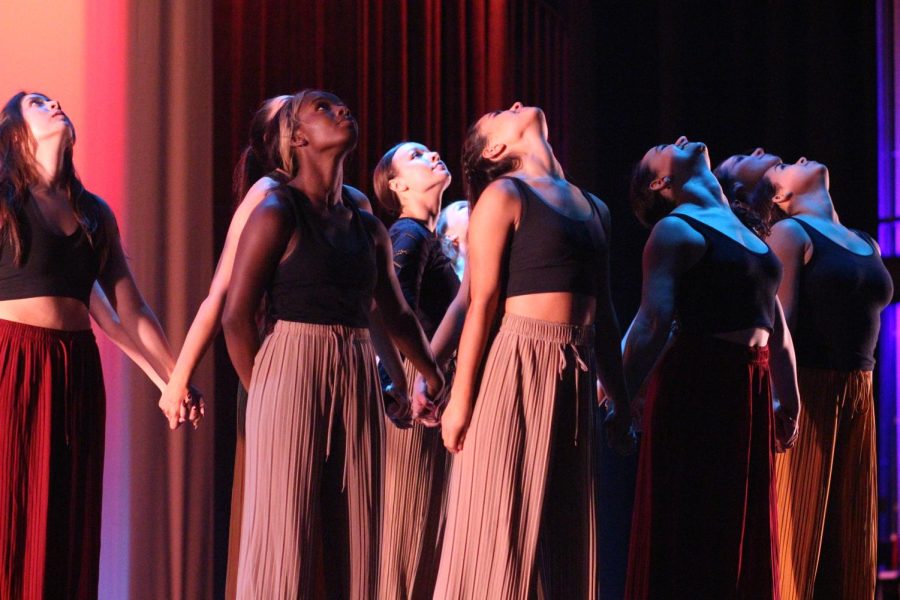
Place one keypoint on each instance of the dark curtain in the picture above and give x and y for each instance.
(408, 69)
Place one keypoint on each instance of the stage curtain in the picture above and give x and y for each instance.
(408, 69)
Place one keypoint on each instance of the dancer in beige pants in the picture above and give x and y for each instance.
(409, 182)
(521, 520)
(313, 481)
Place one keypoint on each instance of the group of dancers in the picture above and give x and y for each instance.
(461, 462)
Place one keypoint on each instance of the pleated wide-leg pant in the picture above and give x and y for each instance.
(705, 522)
(520, 512)
(52, 422)
(827, 491)
(416, 468)
(313, 468)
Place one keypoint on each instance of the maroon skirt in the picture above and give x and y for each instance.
(52, 413)
(705, 524)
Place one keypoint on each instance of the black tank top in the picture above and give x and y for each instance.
(52, 264)
(323, 282)
(551, 252)
(841, 297)
(731, 288)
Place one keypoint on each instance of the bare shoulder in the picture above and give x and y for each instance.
(373, 225)
(672, 233)
(360, 199)
(787, 233)
(500, 199)
(602, 209)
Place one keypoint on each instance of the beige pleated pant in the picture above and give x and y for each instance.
(313, 480)
(827, 491)
(415, 472)
(520, 514)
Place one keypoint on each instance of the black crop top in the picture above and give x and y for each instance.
(321, 282)
(52, 264)
(729, 289)
(841, 295)
(551, 252)
(426, 275)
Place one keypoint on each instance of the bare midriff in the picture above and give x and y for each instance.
(557, 307)
(755, 336)
(51, 312)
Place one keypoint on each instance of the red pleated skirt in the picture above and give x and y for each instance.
(705, 522)
(52, 413)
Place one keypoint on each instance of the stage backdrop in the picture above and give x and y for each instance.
(408, 69)
(141, 107)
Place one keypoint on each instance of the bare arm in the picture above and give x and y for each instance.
(109, 322)
(672, 248)
(791, 244)
(135, 315)
(609, 354)
(491, 226)
(262, 245)
(783, 366)
(446, 338)
(206, 323)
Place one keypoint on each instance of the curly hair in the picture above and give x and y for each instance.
(762, 205)
(741, 202)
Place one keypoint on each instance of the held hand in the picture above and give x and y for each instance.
(455, 424)
(173, 406)
(619, 431)
(786, 429)
(194, 406)
(425, 410)
(397, 407)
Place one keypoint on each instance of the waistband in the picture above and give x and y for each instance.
(298, 328)
(548, 331)
(706, 343)
(33, 332)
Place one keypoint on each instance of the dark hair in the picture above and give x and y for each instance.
(478, 171)
(387, 199)
(740, 200)
(763, 207)
(18, 172)
(261, 154)
(649, 206)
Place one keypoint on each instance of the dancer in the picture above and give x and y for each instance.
(57, 240)
(314, 421)
(521, 509)
(409, 182)
(704, 517)
(452, 227)
(834, 288)
(739, 175)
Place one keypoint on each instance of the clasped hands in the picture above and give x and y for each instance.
(180, 405)
(422, 408)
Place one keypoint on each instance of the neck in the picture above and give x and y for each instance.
(539, 162)
(49, 159)
(702, 188)
(321, 180)
(425, 207)
(816, 203)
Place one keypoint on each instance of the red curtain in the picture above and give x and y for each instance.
(408, 69)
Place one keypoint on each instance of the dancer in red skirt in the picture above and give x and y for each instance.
(56, 239)
(704, 519)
